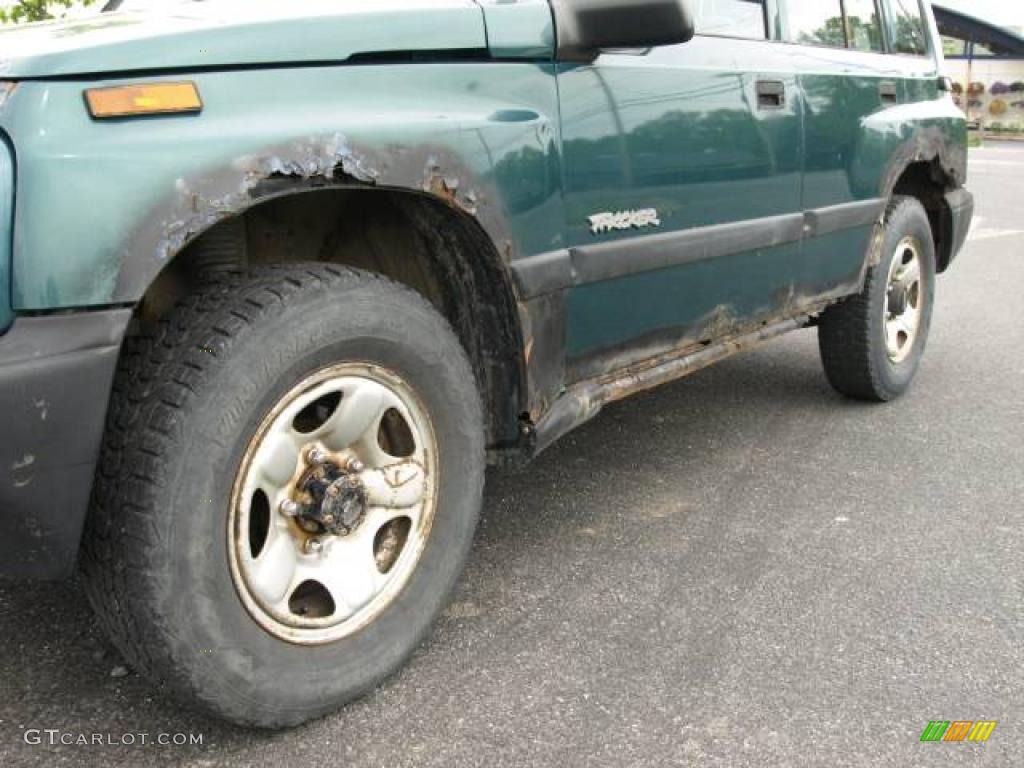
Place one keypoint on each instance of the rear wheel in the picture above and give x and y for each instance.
(289, 487)
(872, 343)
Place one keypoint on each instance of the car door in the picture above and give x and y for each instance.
(852, 96)
(682, 189)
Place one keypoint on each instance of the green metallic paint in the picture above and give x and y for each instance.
(842, 96)
(677, 129)
(211, 34)
(519, 29)
(853, 138)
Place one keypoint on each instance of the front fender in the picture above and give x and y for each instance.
(102, 206)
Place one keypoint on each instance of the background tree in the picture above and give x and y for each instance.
(37, 10)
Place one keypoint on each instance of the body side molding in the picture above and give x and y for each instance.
(593, 263)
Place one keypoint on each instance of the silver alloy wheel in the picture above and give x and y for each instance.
(333, 503)
(904, 300)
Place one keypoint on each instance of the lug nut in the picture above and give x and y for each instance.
(289, 508)
(319, 546)
(316, 456)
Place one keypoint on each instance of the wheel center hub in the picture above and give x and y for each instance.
(899, 299)
(338, 500)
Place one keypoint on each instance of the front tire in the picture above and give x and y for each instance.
(871, 344)
(288, 490)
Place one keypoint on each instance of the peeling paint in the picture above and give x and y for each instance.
(926, 145)
(447, 187)
(309, 159)
(200, 201)
(719, 322)
(330, 159)
(584, 400)
(6, 89)
(333, 161)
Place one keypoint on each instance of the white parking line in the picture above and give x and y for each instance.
(1005, 148)
(978, 232)
(987, 161)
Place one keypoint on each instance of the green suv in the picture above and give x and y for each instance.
(278, 280)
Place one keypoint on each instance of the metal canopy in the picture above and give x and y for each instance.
(1001, 42)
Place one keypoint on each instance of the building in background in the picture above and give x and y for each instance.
(986, 63)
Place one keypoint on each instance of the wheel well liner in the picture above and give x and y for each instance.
(929, 183)
(416, 239)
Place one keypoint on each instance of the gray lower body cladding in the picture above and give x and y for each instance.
(961, 205)
(55, 378)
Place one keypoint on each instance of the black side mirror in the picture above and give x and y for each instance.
(584, 27)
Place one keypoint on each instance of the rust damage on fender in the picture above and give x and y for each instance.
(927, 145)
(201, 202)
(437, 183)
(428, 180)
(947, 166)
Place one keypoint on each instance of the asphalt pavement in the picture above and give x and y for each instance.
(739, 569)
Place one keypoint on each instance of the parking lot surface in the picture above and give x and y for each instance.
(737, 569)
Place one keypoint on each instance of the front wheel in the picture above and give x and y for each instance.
(289, 487)
(872, 343)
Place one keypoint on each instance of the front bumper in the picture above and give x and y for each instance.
(55, 378)
(961, 206)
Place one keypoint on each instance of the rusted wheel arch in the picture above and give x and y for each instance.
(420, 239)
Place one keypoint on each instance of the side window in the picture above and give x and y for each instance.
(816, 22)
(732, 18)
(906, 27)
(864, 25)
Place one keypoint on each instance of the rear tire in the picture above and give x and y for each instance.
(871, 344)
(190, 403)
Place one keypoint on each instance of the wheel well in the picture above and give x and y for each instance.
(929, 183)
(413, 239)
